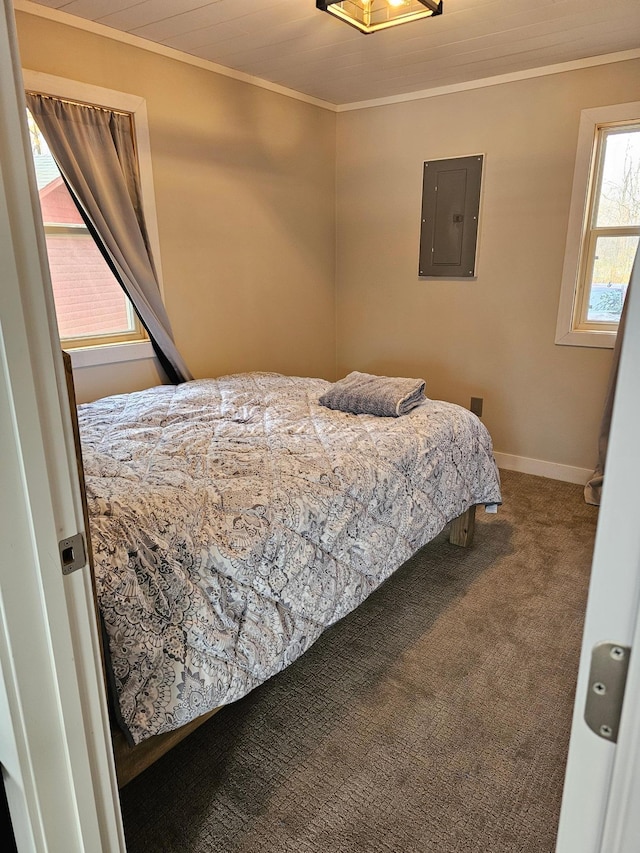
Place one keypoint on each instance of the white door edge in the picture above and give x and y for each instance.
(622, 821)
(55, 743)
(621, 832)
(596, 794)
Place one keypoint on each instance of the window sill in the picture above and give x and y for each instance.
(110, 354)
(603, 340)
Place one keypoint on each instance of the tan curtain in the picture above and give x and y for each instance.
(593, 489)
(95, 152)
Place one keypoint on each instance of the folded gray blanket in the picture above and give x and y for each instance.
(365, 394)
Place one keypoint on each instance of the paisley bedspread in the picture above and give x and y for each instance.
(234, 519)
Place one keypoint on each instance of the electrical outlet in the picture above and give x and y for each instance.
(476, 406)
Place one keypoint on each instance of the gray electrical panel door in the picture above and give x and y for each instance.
(450, 210)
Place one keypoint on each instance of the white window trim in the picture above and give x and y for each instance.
(61, 87)
(92, 356)
(589, 119)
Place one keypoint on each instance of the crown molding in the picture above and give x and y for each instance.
(484, 82)
(162, 50)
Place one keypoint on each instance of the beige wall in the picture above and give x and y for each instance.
(492, 337)
(90, 383)
(245, 193)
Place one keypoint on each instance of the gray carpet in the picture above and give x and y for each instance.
(434, 718)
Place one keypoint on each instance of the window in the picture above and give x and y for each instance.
(604, 226)
(124, 346)
(91, 306)
(612, 227)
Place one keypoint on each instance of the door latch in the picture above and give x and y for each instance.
(72, 553)
(607, 680)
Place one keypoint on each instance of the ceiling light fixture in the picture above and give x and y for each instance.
(371, 15)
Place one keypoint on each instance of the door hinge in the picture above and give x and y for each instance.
(73, 554)
(607, 680)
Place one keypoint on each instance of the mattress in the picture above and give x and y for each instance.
(233, 520)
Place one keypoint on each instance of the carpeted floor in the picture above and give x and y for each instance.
(434, 718)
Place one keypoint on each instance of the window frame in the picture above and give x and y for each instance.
(136, 331)
(98, 349)
(586, 179)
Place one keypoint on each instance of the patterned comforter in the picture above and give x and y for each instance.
(233, 520)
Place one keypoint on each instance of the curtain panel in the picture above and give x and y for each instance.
(95, 151)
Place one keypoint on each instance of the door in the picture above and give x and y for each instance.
(602, 782)
(54, 733)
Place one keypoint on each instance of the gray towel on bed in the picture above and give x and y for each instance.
(365, 394)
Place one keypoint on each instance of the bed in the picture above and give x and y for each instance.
(233, 520)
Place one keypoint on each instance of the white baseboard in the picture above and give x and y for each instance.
(552, 470)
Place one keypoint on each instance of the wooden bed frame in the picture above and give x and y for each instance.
(132, 760)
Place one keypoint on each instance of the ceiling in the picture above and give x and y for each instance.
(292, 44)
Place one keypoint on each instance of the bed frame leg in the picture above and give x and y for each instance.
(462, 528)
